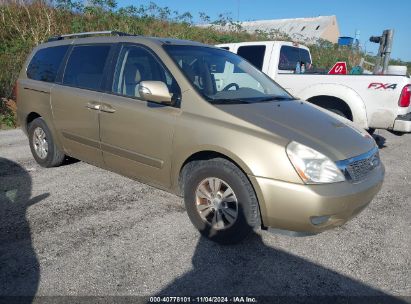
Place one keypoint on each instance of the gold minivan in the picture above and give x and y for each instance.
(200, 122)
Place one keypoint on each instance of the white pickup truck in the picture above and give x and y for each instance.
(370, 101)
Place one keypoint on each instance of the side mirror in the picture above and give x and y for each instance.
(155, 91)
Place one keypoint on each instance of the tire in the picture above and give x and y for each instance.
(47, 155)
(338, 112)
(201, 174)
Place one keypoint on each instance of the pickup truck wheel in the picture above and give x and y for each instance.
(338, 112)
(42, 145)
(220, 201)
(333, 104)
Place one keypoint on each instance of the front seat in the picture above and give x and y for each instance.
(133, 75)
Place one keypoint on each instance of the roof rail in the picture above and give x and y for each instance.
(85, 34)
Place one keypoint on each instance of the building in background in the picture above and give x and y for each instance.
(307, 30)
(300, 29)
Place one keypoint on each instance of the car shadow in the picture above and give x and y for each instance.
(19, 267)
(380, 140)
(68, 160)
(274, 276)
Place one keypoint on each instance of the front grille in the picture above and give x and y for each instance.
(356, 169)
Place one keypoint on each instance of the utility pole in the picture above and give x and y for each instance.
(238, 10)
(384, 51)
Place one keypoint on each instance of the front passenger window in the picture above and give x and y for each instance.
(135, 65)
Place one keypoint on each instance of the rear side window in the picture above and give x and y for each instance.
(85, 66)
(254, 54)
(46, 63)
(289, 56)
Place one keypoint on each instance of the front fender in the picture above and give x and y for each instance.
(250, 168)
(255, 152)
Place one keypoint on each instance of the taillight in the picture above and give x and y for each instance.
(405, 97)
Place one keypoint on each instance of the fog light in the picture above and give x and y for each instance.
(318, 220)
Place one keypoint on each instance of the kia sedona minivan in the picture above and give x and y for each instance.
(200, 122)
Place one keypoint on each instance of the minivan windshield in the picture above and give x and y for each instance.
(223, 77)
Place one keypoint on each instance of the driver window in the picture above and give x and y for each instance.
(135, 65)
(213, 74)
(234, 78)
(198, 72)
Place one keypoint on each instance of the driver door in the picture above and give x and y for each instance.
(136, 135)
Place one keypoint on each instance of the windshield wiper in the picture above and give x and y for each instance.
(228, 101)
(276, 98)
(248, 101)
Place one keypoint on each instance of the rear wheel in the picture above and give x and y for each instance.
(333, 104)
(338, 112)
(220, 201)
(42, 145)
(371, 131)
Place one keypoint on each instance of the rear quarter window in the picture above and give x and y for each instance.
(254, 54)
(85, 66)
(46, 63)
(289, 56)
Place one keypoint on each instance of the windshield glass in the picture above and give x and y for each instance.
(223, 77)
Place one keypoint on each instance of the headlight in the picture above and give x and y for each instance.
(312, 166)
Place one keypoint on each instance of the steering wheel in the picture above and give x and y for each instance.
(233, 84)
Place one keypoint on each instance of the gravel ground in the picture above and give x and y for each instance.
(80, 230)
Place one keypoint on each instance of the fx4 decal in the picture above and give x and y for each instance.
(378, 85)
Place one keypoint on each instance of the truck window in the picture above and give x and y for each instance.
(289, 56)
(46, 63)
(254, 54)
(85, 66)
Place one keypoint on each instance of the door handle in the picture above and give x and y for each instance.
(107, 108)
(93, 105)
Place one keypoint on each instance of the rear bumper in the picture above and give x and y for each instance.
(403, 123)
(314, 208)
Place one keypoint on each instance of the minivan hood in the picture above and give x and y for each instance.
(304, 123)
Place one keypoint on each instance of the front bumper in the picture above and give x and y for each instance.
(294, 207)
(403, 123)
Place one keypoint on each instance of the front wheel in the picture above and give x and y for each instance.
(42, 145)
(220, 201)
